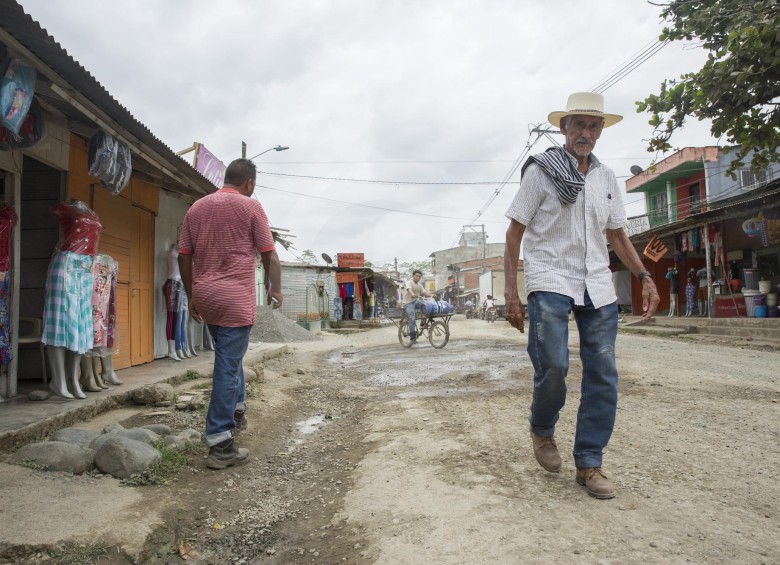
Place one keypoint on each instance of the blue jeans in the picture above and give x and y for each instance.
(227, 391)
(548, 316)
(411, 310)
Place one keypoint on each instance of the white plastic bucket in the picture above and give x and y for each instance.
(771, 299)
(765, 287)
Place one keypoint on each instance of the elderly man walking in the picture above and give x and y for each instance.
(568, 207)
(220, 238)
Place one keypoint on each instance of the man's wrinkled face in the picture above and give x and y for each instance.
(581, 133)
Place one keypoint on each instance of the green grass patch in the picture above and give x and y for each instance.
(192, 375)
(74, 554)
(34, 465)
(252, 389)
(159, 472)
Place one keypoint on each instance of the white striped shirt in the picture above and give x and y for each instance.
(565, 246)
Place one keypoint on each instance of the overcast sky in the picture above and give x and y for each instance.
(396, 91)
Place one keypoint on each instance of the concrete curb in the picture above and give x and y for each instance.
(43, 428)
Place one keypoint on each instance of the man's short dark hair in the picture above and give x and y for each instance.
(240, 171)
(416, 271)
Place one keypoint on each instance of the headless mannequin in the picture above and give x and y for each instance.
(674, 288)
(90, 375)
(80, 228)
(174, 280)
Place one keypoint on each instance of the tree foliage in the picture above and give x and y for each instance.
(308, 256)
(738, 88)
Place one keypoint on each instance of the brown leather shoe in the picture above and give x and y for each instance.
(595, 482)
(546, 452)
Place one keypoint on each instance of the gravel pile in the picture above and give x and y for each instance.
(274, 327)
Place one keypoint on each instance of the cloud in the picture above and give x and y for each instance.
(436, 91)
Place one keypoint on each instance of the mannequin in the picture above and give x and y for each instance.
(172, 290)
(674, 290)
(105, 271)
(107, 362)
(182, 319)
(67, 324)
(191, 335)
(690, 292)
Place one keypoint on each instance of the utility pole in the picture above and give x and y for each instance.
(484, 239)
(243, 149)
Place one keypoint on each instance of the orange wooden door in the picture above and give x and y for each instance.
(128, 236)
(141, 288)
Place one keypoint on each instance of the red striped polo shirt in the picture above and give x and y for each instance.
(223, 232)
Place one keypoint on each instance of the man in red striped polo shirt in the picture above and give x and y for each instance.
(220, 237)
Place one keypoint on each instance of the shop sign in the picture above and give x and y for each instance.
(637, 225)
(655, 249)
(207, 164)
(350, 260)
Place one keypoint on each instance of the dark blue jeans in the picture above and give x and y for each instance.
(228, 391)
(548, 336)
(411, 312)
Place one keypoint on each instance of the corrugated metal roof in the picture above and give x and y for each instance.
(29, 33)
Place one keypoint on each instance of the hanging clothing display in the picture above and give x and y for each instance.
(105, 271)
(172, 291)
(67, 315)
(8, 219)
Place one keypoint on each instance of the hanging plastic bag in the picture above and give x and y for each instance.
(102, 154)
(122, 170)
(33, 129)
(109, 161)
(17, 87)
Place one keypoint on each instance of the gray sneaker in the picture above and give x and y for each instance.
(225, 454)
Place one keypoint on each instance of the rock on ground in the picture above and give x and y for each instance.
(57, 456)
(159, 429)
(122, 457)
(138, 434)
(153, 393)
(76, 436)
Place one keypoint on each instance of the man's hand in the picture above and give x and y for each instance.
(194, 313)
(275, 299)
(514, 312)
(650, 299)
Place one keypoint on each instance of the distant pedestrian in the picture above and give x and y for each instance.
(220, 237)
(674, 289)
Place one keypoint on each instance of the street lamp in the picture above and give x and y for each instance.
(277, 148)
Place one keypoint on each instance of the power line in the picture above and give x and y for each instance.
(631, 65)
(374, 181)
(344, 203)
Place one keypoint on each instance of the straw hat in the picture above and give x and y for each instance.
(585, 103)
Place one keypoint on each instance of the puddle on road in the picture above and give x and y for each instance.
(311, 425)
(460, 362)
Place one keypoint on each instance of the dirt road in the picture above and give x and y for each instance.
(364, 452)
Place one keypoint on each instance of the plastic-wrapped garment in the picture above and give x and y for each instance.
(109, 161)
(32, 130)
(102, 154)
(8, 219)
(122, 170)
(17, 87)
(80, 227)
(105, 270)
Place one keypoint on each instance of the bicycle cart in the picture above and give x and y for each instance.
(435, 327)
